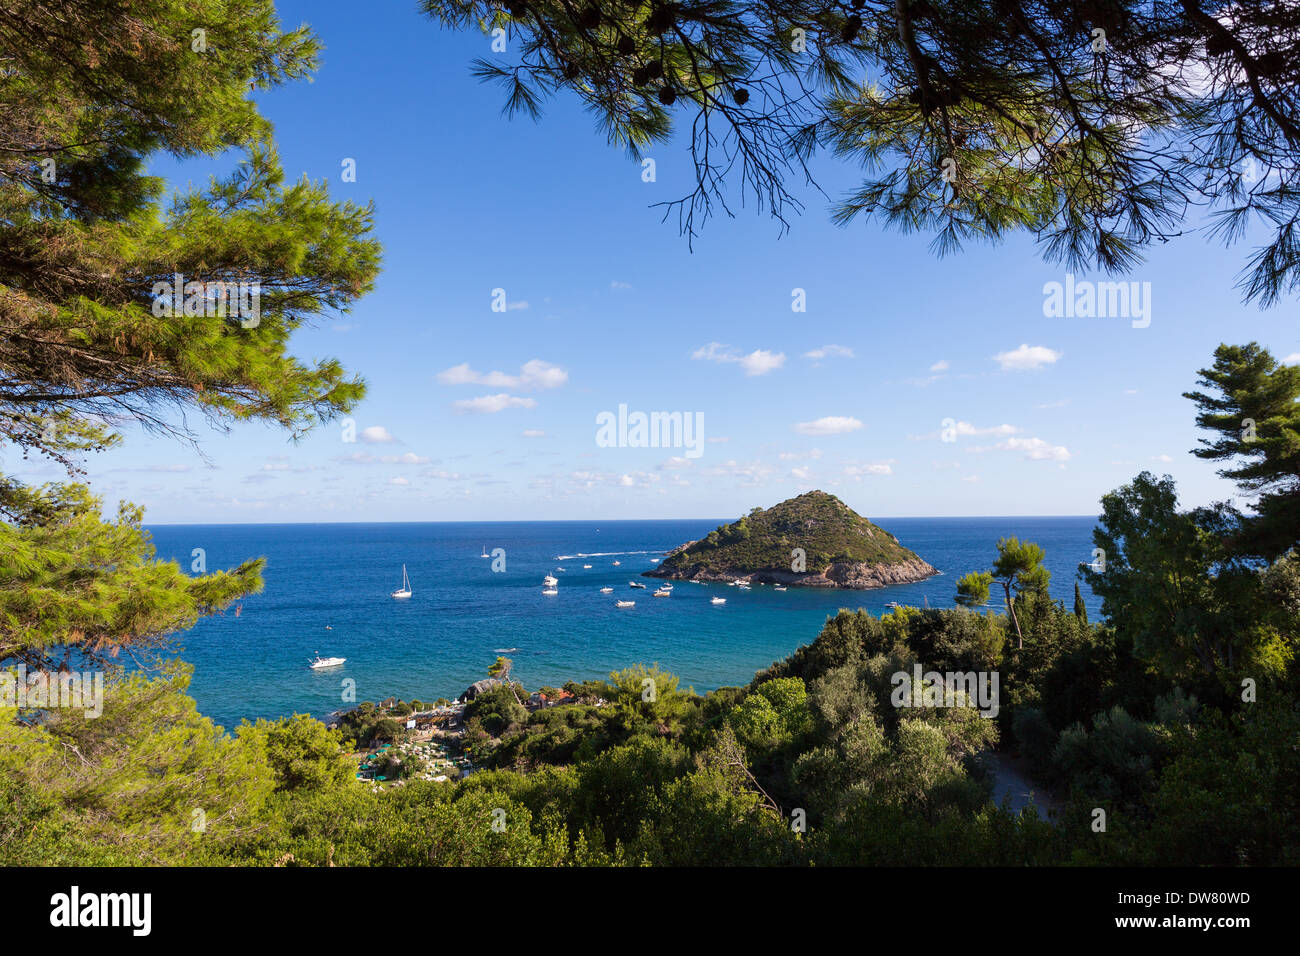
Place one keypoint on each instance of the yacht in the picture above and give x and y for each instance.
(892, 605)
(405, 590)
(617, 563)
(625, 604)
(779, 587)
(322, 662)
(663, 592)
(586, 567)
(718, 600)
(606, 590)
(634, 584)
(550, 580)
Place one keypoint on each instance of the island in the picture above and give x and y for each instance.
(814, 540)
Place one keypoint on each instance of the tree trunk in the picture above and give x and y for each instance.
(1011, 609)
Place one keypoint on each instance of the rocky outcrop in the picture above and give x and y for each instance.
(856, 576)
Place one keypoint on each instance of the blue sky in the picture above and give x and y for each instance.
(480, 415)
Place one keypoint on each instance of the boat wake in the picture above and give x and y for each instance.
(601, 554)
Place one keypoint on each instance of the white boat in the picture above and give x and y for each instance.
(634, 584)
(559, 569)
(780, 587)
(322, 662)
(892, 605)
(550, 580)
(405, 590)
(625, 604)
(743, 587)
(485, 554)
(719, 601)
(665, 587)
(586, 567)
(663, 593)
(617, 563)
(551, 591)
(606, 590)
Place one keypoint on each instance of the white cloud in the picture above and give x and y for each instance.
(858, 472)
(1292, 359)
(533, 374)
(490, 404)
(534, 433)
(376, 435)
(1026, 357)
(757, 362)
(802, 473)
(1034, 449)
(675, 463)
(830, 351)
(971, 478)
(1161, 458)
(407, 459)
(967, 430)
(398, 481)
(830, 425)
(940, 366)
(615, 284)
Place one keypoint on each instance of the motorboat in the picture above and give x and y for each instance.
(322, 662)
(634, 584)
(625, 604)
(663, 592)
(606, 590)
(550, 581)
(718, 600)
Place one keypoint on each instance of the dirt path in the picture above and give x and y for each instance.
(1010, 779)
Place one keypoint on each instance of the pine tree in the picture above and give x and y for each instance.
(975, 119)
(1251, 405)
(1080, 609)
(90, 264)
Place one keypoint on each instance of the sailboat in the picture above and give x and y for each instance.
(405, 590)
(485, 554)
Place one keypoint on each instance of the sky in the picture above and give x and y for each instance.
(908, 385)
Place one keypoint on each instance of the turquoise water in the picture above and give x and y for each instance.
(462, 614)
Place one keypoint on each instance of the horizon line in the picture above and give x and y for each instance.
(160, 524)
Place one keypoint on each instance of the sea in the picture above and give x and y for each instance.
(328, 592)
